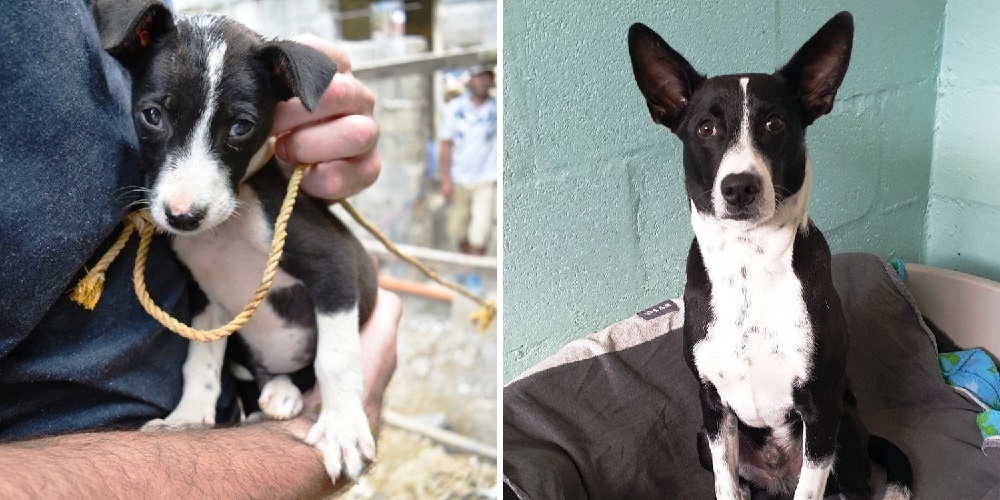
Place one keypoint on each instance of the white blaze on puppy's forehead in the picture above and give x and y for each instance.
(201, 135)
(203, 21)
(195, 176)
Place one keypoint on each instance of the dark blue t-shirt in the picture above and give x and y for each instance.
(68, 156)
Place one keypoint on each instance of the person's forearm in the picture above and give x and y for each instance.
(444, 161)
(256, 461)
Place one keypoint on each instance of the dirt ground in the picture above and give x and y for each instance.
(409, 466)
(446, 376)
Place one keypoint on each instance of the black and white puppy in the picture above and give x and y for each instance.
(764, 332)
(204, 94)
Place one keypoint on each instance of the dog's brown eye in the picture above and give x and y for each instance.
(240, 128)
(774, 123)
(152, 116)
(706, 129)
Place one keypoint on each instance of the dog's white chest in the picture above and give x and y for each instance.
(228, 263)
(759, 343)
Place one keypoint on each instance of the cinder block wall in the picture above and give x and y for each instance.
(596, 224)
(963, 215)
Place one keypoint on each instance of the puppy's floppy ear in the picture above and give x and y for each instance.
(665, 78)
(816, 71)
(297, 70)
(127, 28)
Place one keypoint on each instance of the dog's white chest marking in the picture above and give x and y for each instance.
(228, 262)
(759, 341)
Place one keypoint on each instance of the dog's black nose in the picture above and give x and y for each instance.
(740, 190)
(187, 221)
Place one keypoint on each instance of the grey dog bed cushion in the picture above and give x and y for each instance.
(615, 415)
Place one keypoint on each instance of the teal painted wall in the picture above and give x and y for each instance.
(963, 215)
(595, 223)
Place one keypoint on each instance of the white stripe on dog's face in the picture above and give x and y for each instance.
(743, 157)
(194, 179)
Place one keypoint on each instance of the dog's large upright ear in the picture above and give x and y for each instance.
(297, 71)
(816, 71)
(127, 28)
(665, 78)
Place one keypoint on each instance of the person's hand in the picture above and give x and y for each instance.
(378, 350)
(378, 362)
(447, 188)
(339, 136)
(378, 356)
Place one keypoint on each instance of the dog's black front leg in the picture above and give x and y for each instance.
(821, 425)
(852, 469)
(723, 443)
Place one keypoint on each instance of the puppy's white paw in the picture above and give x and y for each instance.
(345, 439)
(737, 492)
(154, 425)
(280, 399)
(742, 493)
(184, 416)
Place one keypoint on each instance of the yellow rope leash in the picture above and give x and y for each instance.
(482, 318)
(88, 290)
(146, 229)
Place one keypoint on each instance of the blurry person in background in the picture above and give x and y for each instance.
(467, 159)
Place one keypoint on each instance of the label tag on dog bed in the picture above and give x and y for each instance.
(658, 310)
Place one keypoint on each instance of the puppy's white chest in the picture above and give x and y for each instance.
(759, 342)
(228, 263)
(228, 260)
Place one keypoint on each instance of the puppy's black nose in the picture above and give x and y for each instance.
(186, 221)
(740, 190)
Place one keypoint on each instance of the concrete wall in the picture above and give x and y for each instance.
(273, 18)
(595, 217)
(468, 23)
(963, 216)
(403, 110)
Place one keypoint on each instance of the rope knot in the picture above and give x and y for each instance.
(484, 317)
(141, 219)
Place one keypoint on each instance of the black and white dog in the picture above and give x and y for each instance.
(204, 95)
(764, 332)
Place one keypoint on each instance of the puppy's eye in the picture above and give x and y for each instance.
(706, 129)
(153, 117)
(240, 128)
(774, 123)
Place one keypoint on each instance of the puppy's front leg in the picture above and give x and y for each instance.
(819, 442)
(723, 442)
(202, 379)
(342, 432)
